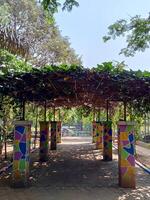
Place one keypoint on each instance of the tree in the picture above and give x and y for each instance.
(26, 21)
(53, 5)
(136, 31)
(8, 40)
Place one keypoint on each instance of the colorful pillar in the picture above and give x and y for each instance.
(107, 141)
(21, 153)
(94, 132)
(126, 154)
(99, 135)
(44, 140)
(53, 135)
(58, 131)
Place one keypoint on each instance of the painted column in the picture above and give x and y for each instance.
(94, 132)
(44, 140)
(21, 153)
(58, 131)
(126, 154)
(99, 135)
(107, 141)
(53, 135)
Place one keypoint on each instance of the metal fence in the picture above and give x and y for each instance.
(77, 129)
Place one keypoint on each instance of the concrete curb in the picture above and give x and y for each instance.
(146, 169)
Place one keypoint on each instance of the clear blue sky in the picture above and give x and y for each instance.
(87, 24)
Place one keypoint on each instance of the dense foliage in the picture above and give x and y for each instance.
(25, 30)
(136, 31)
(53, 5)
(72, 85)
(11, 64)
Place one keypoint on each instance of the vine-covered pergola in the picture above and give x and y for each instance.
(77, 86)
(71, 86)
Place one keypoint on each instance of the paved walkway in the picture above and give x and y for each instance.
(75, 172)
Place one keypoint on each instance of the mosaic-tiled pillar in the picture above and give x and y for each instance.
(126, 154)
(53, 135)
(99, 135)
(94, 132)
(21, 152)
(58, 131)
(107, 141)
(44, 140)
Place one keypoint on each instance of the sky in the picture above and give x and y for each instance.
(86, 25)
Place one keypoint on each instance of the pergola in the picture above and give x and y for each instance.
(72, 87)
(76, 87)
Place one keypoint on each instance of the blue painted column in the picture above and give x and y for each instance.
(21, 153)
(126, 154)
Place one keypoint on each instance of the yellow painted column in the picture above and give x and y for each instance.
(21, 153)
(44, 141)
(126, 154)
(99, 135)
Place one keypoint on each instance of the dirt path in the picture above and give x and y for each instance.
(76, 172)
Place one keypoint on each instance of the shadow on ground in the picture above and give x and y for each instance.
(75, 171)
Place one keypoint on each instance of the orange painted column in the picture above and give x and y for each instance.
(99, 135)
(126, 154)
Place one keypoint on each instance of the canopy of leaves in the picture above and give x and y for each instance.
(53, 5)
(25, 30)
(72, 85)
(136, 31)
(11, 64)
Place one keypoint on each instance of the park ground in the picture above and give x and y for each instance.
(75, 172)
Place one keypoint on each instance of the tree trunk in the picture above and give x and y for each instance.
(36, 131)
